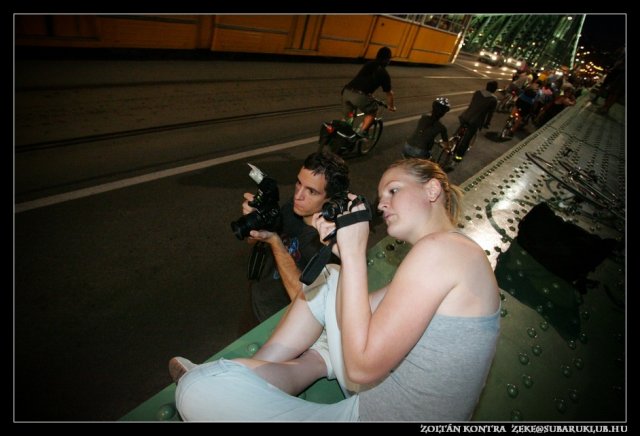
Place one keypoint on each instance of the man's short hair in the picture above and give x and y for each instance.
(334, 168)
(492, 86)
(384, 54)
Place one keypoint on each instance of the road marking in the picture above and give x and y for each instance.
(454, 77)
(124, 183)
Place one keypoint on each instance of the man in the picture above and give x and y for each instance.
(613, 83)
(478, 115)
(358, 92)
(322, 176)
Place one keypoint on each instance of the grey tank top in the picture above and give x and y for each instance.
(442, 376)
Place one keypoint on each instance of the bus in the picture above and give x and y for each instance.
(413, 38)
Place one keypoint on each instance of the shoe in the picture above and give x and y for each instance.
(457, 158)
(450, 167)
(178, 366)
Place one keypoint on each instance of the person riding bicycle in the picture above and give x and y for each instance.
(358, 92)
(420, 143)
(478, 115)
(524, 105)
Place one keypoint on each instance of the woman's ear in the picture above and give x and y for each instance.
(433, 189)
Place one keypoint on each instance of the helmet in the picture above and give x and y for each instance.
(441, 105)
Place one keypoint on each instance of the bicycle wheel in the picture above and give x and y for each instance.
(506, 132)
(502, 105)
(446, 153)
(375, 131)
(591, 183)
(569, 183)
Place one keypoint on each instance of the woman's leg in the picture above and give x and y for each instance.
(293, 376)
(227, 391)
(297, 330)
(285, 360)
(280, 360)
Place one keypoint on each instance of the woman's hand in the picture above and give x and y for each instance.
(325, 228)
(353, 238)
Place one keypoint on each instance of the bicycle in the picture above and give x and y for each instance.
(508, 100)
(340, 137)
(507, 132)
(581, 184)
(447, 150)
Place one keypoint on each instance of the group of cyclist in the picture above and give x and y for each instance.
(358, 94)
(477, 116)
(538, 96)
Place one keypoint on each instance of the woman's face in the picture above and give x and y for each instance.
(403, 202)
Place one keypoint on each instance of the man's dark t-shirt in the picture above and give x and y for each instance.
(268, 294)
(371, 76)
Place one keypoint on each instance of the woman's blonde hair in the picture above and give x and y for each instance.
(424, 170)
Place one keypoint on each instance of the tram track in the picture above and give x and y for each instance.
(25, 148)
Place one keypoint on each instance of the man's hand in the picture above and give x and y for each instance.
(263, 235)
(246, 209)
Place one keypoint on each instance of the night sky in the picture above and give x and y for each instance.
(605, 33)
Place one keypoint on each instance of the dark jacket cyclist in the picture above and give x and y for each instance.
(478, 115)
(420, 143)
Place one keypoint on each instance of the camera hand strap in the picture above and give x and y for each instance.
(318, 262)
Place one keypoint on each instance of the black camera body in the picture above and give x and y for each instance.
(337, 205)
(267, 214)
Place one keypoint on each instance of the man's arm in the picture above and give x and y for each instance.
(289, 272)
(287, 267)
(492, 108)
(445, 134)
(390, 103)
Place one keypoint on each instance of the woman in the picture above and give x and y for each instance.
(420, 348)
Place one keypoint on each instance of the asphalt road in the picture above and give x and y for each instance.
(127, 175)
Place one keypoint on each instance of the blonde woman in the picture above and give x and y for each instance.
(418, 349)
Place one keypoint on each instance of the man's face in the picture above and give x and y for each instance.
(309, 194)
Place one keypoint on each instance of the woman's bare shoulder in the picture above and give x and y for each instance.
(448, 240)
(444, 249)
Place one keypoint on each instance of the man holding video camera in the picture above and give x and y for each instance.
(280, 256)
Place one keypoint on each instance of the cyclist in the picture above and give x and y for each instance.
(419, 144)
(358, 92)
(478, 115)
(524, 105)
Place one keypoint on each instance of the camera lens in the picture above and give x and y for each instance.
(334, 207)
(243, 226)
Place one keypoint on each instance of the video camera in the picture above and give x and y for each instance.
(337, 205)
